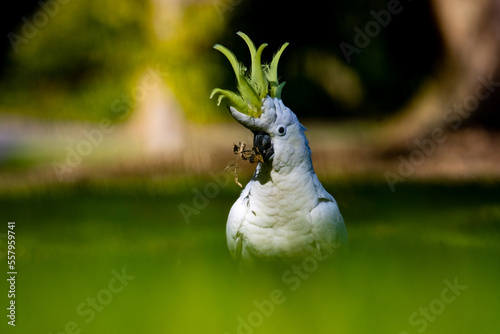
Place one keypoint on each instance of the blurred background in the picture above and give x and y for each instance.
(110, 147)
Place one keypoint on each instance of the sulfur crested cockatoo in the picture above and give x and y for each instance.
(283, 213)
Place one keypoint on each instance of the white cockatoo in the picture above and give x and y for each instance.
(283, 213)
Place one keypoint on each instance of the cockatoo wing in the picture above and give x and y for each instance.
(234, 226)
(328, 225)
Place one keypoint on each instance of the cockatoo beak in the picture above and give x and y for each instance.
(251, 123)
(262, 141)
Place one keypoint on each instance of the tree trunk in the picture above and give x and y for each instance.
(465, 89)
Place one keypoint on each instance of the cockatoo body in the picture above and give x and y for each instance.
(283, 213)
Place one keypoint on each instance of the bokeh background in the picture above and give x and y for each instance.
(113, 157)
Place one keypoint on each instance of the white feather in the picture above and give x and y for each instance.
(284, 212)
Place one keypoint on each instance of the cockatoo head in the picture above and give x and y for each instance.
(259, 107)
(276, 130)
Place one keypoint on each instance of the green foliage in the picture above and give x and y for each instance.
(79, 62)
(93, 53)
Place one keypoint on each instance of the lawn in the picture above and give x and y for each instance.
(121, 258)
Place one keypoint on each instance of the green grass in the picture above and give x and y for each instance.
(404, 245)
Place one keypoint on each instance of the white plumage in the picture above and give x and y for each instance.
(283, 212)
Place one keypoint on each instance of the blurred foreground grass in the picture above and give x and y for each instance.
(404, 245)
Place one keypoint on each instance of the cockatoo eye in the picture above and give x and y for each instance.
(281, 130)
